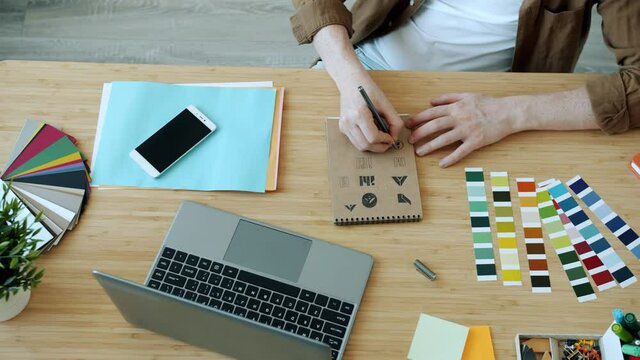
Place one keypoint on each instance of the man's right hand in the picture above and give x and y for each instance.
(356, 121)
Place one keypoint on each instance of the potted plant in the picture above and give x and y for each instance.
(17, 253)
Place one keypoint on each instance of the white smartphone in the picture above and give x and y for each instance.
(172, 141)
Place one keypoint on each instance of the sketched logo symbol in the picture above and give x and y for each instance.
(369, 200)
(368, 180)
(350, 207)
(402, 199)
(399, 179)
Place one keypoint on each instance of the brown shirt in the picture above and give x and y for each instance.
(550, 37)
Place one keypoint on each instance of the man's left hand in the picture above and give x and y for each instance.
(474, 119)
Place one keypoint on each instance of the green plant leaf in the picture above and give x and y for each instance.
(14, 263)
(39, 275)
(17, 249)
(9, 281)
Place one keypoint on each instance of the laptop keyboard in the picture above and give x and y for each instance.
(253, 297)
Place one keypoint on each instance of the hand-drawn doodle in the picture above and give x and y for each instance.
(399, 179)
(364, 162)
(399, 162)
(350, 207)
(402, 199)
(369, 180)
(369, 200)
(343, 182)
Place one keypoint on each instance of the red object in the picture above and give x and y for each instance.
(635, 167)
(631, 357)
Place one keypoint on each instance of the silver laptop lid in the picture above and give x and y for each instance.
(205, 327)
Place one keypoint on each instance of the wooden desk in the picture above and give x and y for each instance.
(121, 230)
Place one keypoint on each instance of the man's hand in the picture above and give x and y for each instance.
(356, 121)
(475, 120)
(478, 120)
(333, 45)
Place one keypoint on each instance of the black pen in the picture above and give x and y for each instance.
(379, 120)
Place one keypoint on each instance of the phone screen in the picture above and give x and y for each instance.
(173, 140)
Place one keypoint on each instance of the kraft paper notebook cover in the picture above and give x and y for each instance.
(371, 188)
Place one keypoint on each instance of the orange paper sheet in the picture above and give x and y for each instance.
(274, 151)
(635, 165)
(479, 345)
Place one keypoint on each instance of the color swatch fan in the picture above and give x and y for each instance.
(49, 175)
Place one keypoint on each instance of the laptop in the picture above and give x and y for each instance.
(246, 289)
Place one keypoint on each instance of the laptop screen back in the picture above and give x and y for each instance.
(205, 327)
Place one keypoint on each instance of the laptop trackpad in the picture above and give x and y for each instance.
(265, 249)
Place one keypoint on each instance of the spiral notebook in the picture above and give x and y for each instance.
(370, 188)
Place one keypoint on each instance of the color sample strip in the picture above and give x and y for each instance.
(590, 232)
(480, 227)
(562, 244)
(536, 256)
(599, 273)
(612, 220)
(505, 229)
(47, 136)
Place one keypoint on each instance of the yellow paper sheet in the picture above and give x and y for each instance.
(479, 345)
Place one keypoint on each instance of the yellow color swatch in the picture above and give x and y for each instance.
(507, 243)
(561, 242)
(503, 227)
(499, 181)
(528, 202)
(511, 275)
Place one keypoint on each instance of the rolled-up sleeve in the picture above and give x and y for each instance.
(615, 98)
(312, 15)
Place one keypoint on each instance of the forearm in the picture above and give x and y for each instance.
(479, 120)
(334, 47)
(567, 110)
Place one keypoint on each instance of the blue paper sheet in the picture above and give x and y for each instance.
(234, 157)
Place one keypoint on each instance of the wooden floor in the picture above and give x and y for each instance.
(212, 32)
(202, 32)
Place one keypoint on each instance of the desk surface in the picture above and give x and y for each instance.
(121, 230)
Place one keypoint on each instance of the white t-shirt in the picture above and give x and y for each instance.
(451, 35)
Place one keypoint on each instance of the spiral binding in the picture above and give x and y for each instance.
(377, 220)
